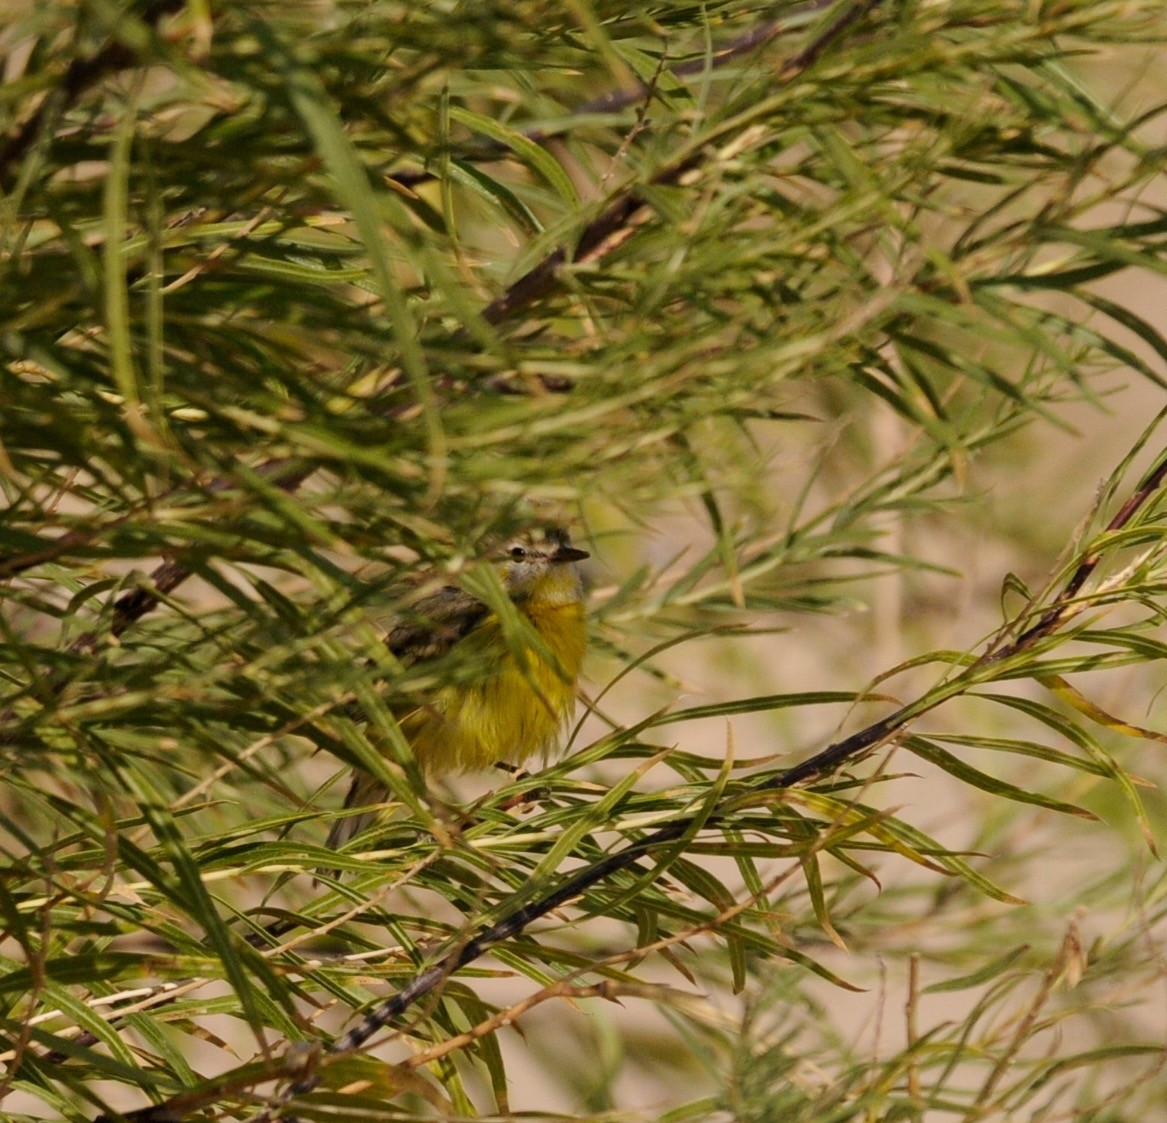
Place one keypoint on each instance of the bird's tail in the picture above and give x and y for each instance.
(364, 791)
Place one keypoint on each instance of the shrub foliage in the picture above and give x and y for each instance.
(303, 300)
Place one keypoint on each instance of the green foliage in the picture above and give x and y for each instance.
(301, 301)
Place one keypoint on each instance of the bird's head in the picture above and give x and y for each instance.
(540, 564)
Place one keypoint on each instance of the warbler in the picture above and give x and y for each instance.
(521, 701)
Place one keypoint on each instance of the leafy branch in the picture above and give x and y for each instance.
(773, 341)
(758, 36)
(599, 237)
(1069, 603)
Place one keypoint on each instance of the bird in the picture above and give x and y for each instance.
(520, 696)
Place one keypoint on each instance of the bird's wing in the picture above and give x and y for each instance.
(427, 630)
(434, 624)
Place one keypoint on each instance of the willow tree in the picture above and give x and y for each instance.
(303, 301)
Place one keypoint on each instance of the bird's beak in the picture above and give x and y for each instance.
(564, 554)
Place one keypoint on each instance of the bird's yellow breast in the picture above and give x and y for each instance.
(517, 709)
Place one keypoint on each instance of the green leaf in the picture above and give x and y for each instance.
(979, 977)
(538, 159)
(954, 766)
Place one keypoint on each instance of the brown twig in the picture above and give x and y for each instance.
(608, 989)
(616, 221)
(614, 100)
(1068, 957)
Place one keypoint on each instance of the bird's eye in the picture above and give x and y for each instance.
(518, 553)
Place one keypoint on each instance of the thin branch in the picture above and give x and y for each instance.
(613, 101)
(597, 239)
(609, 989)
(616, 222)
(817, 766)
(1055, 614)
(1068, 957)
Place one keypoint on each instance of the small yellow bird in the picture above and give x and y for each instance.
(521, 701)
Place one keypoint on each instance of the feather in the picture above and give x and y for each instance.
(520, 704)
